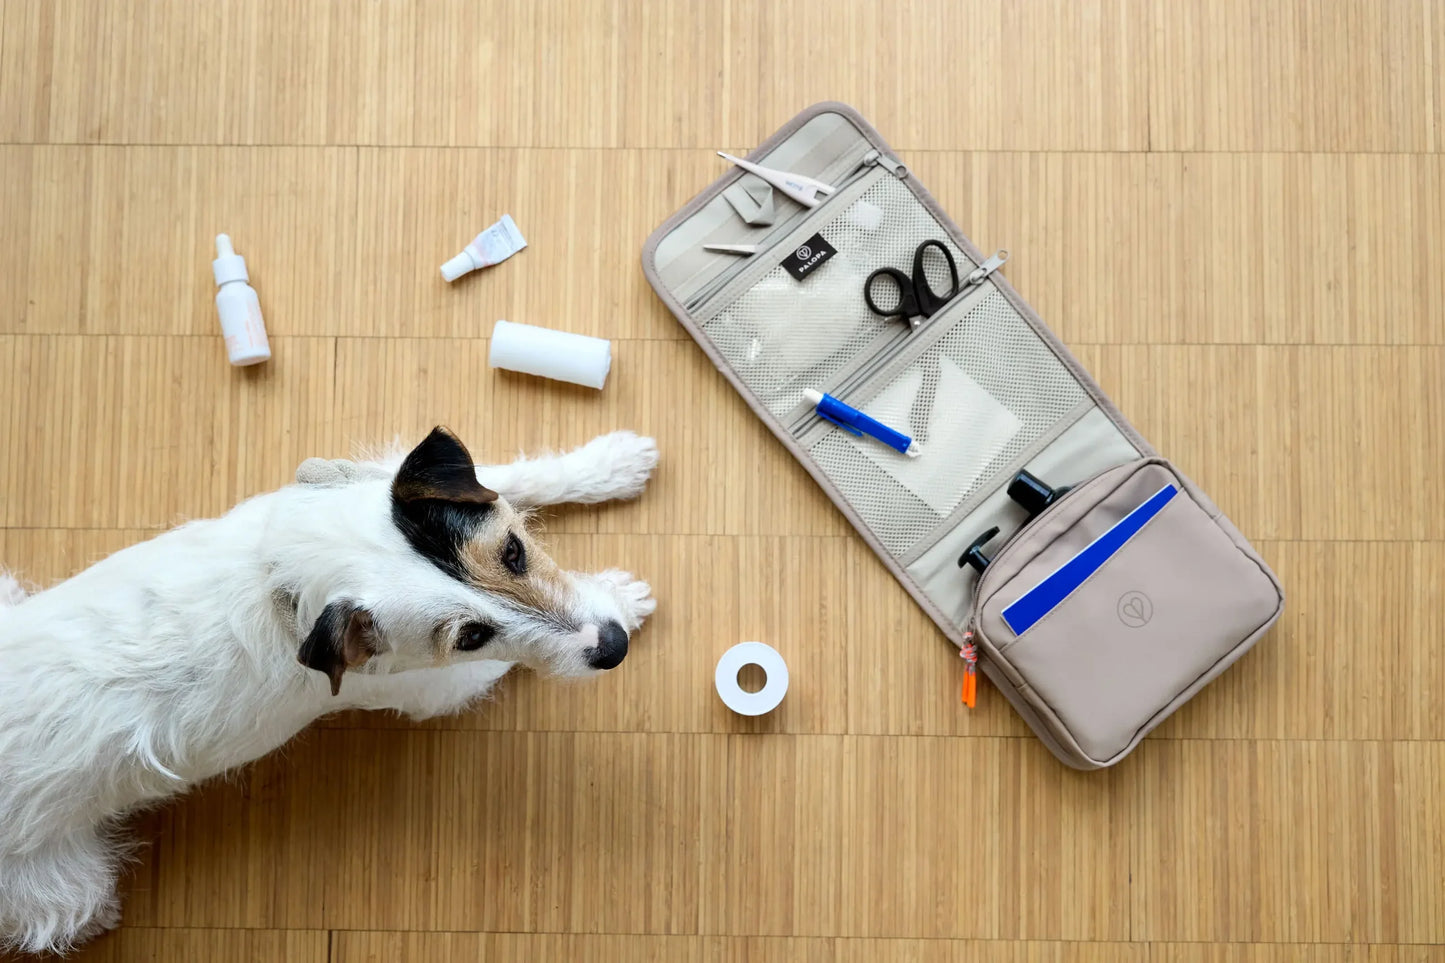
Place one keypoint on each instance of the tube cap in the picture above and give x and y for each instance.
(458, 266)
(228, 265)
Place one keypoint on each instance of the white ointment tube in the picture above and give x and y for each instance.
(492, 246)
(551, 354)
(765, 657)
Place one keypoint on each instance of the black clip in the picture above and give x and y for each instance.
(1032, 494)
(974, 556)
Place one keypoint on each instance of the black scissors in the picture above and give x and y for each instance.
(893, 294)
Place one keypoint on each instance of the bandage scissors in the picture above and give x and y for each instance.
(893, 294)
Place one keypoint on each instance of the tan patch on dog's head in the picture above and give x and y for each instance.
(502, 558)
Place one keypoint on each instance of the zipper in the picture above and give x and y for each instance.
(969, 653)
(896, 347)
(874, 158)
(906, 337)
(891, 164)
(841, 389)
(980, 274)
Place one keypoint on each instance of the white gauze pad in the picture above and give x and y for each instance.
(967, 427)
(796, 327)
(551, 354)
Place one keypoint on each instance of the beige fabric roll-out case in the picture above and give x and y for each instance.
(1097, 616)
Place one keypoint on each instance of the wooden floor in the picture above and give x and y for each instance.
(1233, 211)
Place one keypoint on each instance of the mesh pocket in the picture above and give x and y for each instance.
(783, 335)
(973, 401)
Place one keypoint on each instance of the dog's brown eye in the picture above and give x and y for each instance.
(474, 635)
(514, 556)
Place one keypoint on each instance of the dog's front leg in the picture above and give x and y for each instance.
(608, 467)
(425, 693)
(632, 595)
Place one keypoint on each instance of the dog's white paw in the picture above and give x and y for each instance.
(633, 595)
(11, 592)
(621, 461)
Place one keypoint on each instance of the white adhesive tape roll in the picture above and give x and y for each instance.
(551, 354)
(765, 699)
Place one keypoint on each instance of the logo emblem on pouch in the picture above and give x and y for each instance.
(1135, 610)
(807, 256)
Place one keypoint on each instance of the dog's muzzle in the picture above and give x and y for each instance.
(611, 646)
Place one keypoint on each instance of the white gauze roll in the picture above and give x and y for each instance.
(551, 354)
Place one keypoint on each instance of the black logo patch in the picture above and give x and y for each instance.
(1135, 610)
(813, 252)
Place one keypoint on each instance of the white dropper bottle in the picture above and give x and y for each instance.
(240, 309)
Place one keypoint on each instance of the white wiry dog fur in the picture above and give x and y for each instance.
(409, 584)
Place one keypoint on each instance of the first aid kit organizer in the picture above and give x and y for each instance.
(1097, 587)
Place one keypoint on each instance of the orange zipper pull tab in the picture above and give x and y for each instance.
(969, 654)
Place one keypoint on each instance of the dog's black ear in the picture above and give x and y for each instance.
(436, 500)
(440, 469)
(343, 637)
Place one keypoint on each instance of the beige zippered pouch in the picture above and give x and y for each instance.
(1097, 617)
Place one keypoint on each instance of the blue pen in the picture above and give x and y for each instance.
(851, 419)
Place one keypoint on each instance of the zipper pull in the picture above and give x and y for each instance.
(986, 268)
(876, 158)
(969, 654)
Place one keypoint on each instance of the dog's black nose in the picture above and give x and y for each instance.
(611, 646)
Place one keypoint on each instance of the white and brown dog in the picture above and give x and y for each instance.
(413, 585)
